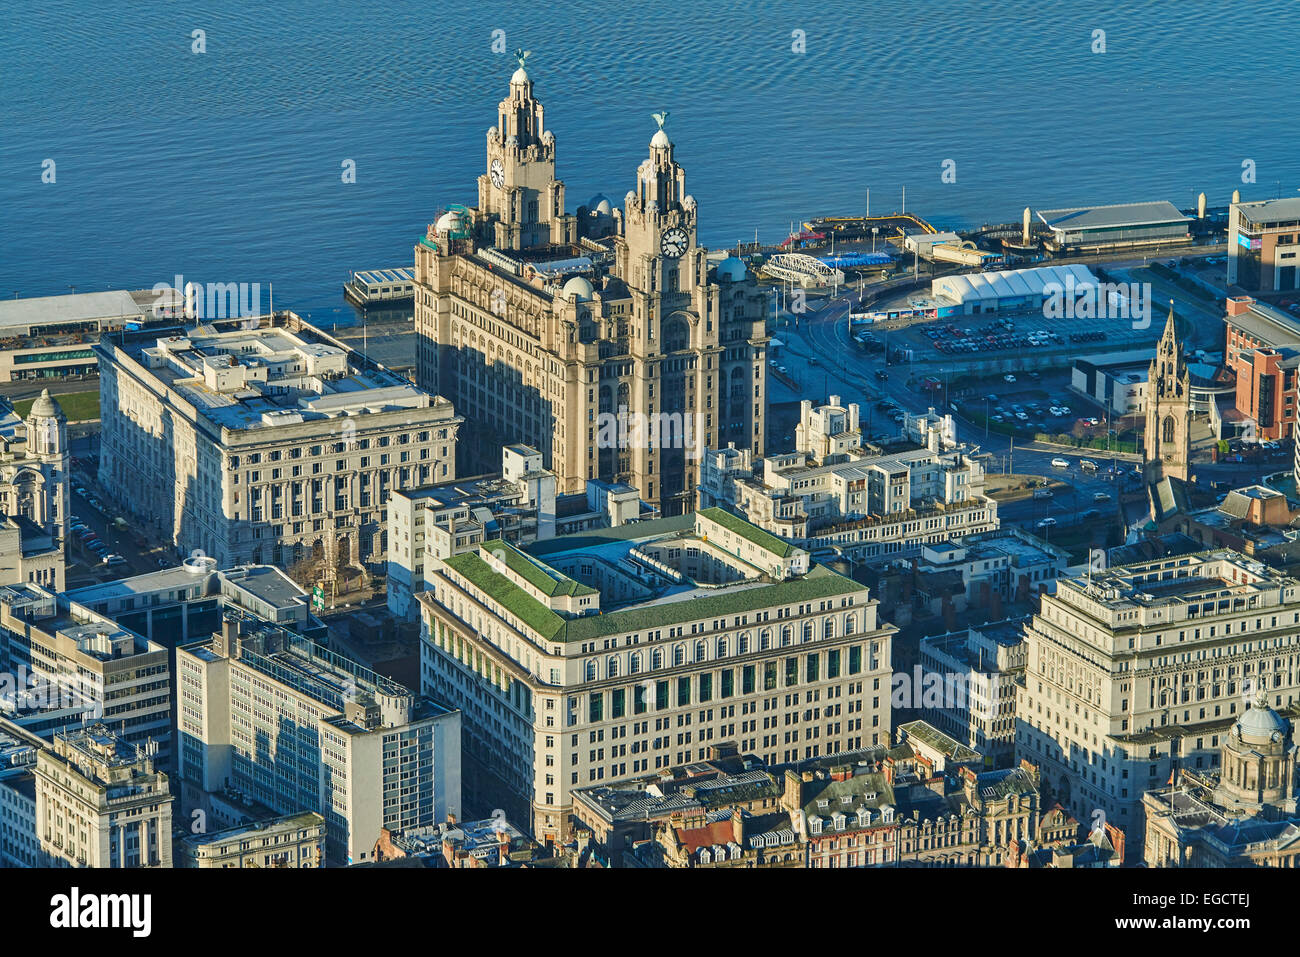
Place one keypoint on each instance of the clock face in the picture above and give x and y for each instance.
(498, 173)
(674, 242)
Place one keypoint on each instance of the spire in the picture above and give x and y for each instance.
(1171, 327)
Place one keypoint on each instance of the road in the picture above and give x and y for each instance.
(84, 566)
(842, 369)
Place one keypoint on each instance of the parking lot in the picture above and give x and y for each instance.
(1001, 335)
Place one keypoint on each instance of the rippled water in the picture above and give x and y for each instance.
(226, 166)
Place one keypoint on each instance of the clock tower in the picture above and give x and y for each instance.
(685, 333)
(520, 200)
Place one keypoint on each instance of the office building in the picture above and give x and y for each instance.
(1263, 350)
(520, 506)
(1140, 670)
(284, 722)
(837, 490)
(265, 441)
(610, 655)
(1264, 245)
(290, 841)
(977, 671)
(79, 655)
(101, 803)
(618, 360)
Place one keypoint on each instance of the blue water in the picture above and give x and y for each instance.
(225, 166)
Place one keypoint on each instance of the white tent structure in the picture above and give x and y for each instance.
(1009, 289)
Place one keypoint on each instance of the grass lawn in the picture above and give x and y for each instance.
(77, 406)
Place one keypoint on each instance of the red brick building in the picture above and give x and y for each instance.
(1263, 351)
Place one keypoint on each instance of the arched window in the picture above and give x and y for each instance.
(590, 670)
(807, 631)
(721, 651)
(611, 666)
(828, 628)
(787, 636)
(634, 663)
(656, 658)
(764, 640)
(1169, 428)
(850, 624)
(679, 655)
(742, 644)
(699, 651)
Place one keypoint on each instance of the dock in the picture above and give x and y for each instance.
(374, 286)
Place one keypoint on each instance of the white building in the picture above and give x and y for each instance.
(834, 490)
(265, 441)
(977, 670)
(1008, 562)
(1010, 290)
(284, 722)
(51, 639)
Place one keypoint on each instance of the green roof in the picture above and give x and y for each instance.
(820, 582)
(764, 540)
(523, 605)
(544, 578)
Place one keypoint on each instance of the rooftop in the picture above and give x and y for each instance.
(78, 307)
(267, 375)
(1271, 210)
(665, 598)
(1110, 217)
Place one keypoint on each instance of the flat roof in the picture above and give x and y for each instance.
(688, 604)
(1118, 215)
(1270, 210)
(69, 308)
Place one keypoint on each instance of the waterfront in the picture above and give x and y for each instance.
(225, 166)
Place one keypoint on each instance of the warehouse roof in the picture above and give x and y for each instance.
(41, 310)
(1110, 217)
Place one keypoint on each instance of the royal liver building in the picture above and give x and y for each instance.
(605, 339)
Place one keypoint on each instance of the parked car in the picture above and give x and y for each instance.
(1088, 464)
(1101, 497)
(1060, 463)
(1042, 493)
(1008, 378)
(1045, 522)
(113, 559)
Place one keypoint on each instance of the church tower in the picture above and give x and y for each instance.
(1169, 410)
(519, 197)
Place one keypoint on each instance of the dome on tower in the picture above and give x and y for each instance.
(732, 269)
(600, 204)
(577, 286)
(660, 140)
(46, 406)
(1260, 723)
(520, 76)
(450, 221)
